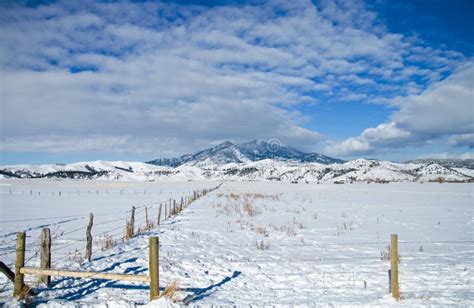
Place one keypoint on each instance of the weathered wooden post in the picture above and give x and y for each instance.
(159, 215)
(174, 207)
(132, 223)
(166, 211)
(132, 220)
(147, 223)
(89, 237)
(19, 283)
(394, 266)
(130, 226)
(45, 262)
(154, 268)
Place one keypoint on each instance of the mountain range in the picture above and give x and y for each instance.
(254, 161)
(256, 150)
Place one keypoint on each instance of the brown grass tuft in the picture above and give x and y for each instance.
(171, 291)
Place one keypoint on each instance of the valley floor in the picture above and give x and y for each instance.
(265, 243)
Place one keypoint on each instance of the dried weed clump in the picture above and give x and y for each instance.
(171, 291)
(107, 242)
(262, 230)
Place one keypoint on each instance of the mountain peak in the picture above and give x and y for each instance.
(255, 150)
(223, 145)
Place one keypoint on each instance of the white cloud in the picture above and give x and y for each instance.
(139, 74)
(350, 146)
(444, 109)
(462, 140)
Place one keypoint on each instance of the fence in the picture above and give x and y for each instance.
(103, 237)
(20, 290)
(45, 271)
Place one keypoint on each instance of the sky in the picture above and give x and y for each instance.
(89, 80)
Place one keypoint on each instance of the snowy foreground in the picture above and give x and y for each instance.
(253, 243)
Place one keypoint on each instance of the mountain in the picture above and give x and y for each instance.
(359, 170)
(256, 150)
(446, 162)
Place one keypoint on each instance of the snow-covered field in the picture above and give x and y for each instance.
(259, 243)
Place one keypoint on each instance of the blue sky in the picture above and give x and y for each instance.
(139, 80)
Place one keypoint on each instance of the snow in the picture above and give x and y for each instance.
(266, 243)
(214, 168)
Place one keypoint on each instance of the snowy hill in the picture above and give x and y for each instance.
(113, 170)
(256, 150)
(207, 168)
(446, 162)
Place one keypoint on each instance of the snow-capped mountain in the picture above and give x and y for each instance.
(360, 170)
(256, 150)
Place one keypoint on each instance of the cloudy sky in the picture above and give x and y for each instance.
(84, 80)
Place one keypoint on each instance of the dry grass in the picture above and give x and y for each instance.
(233, 196)
(171, 291)
(249, 209)
(149, 225)
(107, 242)
(262, 230)
(247, 196)
(128, 231)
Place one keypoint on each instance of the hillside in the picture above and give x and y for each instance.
(360, 170)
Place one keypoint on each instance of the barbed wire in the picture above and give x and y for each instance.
(284, 245)
(42, 218)
(436, 242)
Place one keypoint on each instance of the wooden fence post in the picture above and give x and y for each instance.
(154, 268)
(147, 223)
(131, 225)
(394, 266)
(45, 254)
(159, 215)
(132, 221)
(166, 210)
(19, 282)
(89, 237)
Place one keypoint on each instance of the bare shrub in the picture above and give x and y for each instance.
(107, 242)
